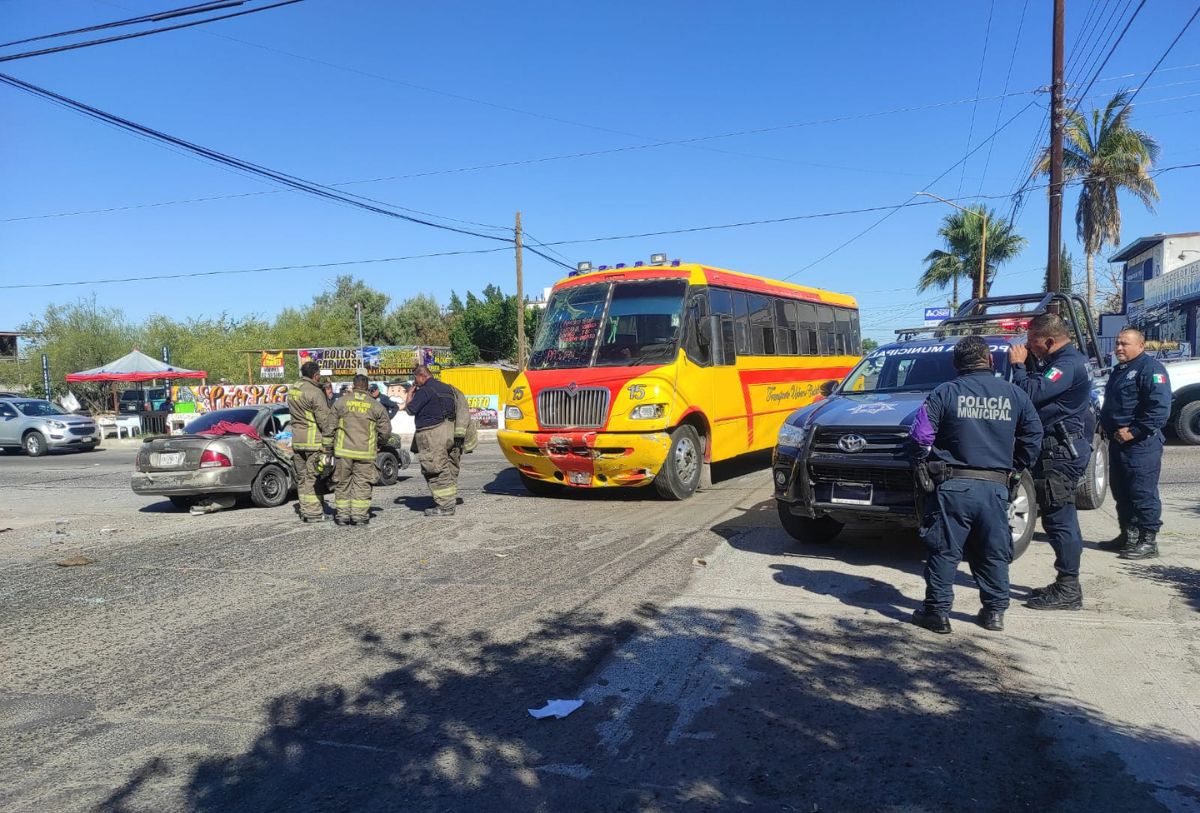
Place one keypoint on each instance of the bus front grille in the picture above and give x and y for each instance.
(573, 408)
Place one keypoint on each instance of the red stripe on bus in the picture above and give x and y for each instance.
(786, 375)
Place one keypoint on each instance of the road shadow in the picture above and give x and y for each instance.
(700, 710)
(507, 482)
(1185, 581)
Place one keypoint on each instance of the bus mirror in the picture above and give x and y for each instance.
(828, 387)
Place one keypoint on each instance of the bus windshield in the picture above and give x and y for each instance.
(638, 325)
(915, 368)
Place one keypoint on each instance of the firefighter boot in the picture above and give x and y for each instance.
(1146, 547)
(1064, 594)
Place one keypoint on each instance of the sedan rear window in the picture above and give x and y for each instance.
(211, 419)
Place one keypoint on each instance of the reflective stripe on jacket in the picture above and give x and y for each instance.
(363, 426)
(312, 420)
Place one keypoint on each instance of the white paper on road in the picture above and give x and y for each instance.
(555, 708)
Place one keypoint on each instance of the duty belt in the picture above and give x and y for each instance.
(989, 475)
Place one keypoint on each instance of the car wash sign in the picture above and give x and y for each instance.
(935, 316)
(379, 362)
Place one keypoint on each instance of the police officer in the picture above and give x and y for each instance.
(312, 438)
(1058, 381)
(1137, 404)
(363, 426)
(434, 407)
(977, 433)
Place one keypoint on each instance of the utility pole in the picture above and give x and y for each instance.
(520, 300)
(1054, 249)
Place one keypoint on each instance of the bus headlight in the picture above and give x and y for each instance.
(513, 413)
(648, 412)
(791, 435)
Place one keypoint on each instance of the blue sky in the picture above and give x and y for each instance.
(376, 88)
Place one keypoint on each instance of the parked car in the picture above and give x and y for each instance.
(139, 400)
(1185, 399)
(38, 426)
(847, 457)
(186, 467)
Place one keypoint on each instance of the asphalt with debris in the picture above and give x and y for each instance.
(241, 661)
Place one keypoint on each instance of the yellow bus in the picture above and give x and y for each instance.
(650, 373)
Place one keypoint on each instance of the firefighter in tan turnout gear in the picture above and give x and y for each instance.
(363, 426)
(443, 434)
(312, 438)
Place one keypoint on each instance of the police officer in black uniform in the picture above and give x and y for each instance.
(1058, 381)
(1137, 405)
(975, 434)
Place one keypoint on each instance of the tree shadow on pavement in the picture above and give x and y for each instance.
(1184, 580)
(701, 709)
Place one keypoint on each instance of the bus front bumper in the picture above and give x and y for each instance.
(587, 459)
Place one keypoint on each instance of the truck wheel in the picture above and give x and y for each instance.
(679, 476)
(539, 488)
(389, 468)
(1022, 517)
(806, 529)
(270, 487)
(34, 444)
(1187, 423)
(1093, 488)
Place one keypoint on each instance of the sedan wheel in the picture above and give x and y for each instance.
(270, 487)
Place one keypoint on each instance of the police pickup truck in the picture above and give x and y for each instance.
(846, 458)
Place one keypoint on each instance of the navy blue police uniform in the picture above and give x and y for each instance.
(1138, 397)
(981, 429)
(1061, 390)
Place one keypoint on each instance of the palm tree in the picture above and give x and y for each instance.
(1104, 155)
(963, 240)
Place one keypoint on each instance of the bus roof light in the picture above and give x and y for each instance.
(674, 263)
(619, 265)
(658, 259)
(602, 268)
(583, 267)
(638, 264)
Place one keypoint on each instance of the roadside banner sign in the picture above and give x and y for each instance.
(46, 374)
(935, 316)
(271, 365)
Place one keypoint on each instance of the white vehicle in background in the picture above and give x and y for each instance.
(1185, 399)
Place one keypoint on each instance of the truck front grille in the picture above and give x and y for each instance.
(879, 441)
(573, 408)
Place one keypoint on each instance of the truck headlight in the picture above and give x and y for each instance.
(512, 413)
(791, 435)
(648, 412)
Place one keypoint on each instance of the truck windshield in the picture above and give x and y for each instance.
(911, 368)
(640, 325)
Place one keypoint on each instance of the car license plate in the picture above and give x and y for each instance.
(580, 478)
(851, 493)
(166, 460)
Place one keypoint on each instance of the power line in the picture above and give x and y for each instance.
(280, 178)
(987, 36)
(198, 8)
(146, 33)
(1167, 52)
(1000, 108)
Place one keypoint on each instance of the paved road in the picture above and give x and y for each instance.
(241, 661)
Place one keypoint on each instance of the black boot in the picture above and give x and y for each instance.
(931, 620)
(1064, 594)
(1146, 547)
(991, 619)
(1123, 541)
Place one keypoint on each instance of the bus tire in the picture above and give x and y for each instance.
(679, 476)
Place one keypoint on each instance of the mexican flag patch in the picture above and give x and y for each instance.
(1054, 374)
(1159, 378)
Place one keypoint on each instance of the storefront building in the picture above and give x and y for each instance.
(1162, 290)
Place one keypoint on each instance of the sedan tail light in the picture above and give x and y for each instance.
(214, 460)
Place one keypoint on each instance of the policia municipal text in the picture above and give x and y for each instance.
(974, 437)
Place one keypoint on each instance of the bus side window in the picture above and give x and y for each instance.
(741, 323)
(809, 343)
(762, 326)
(845, 332)
(697, 346)
(785, 317)
(828, 329)
(855, 333)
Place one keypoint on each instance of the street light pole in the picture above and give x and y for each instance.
(982, 214)
(358, 314)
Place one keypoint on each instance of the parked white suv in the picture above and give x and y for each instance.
(1185, 399)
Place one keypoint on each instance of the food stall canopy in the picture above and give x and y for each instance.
(136, 366)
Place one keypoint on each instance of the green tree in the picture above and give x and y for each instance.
(486, 329)
(868, 345)
(419, 320)
(1066, 268)
(962, 236)
(1105, 155)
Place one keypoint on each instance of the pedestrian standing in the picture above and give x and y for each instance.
(391, 406)
(363, 426)
(434, 407)
(974, 435)
(1059, 383)
(312, 438)
(1137, 404)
